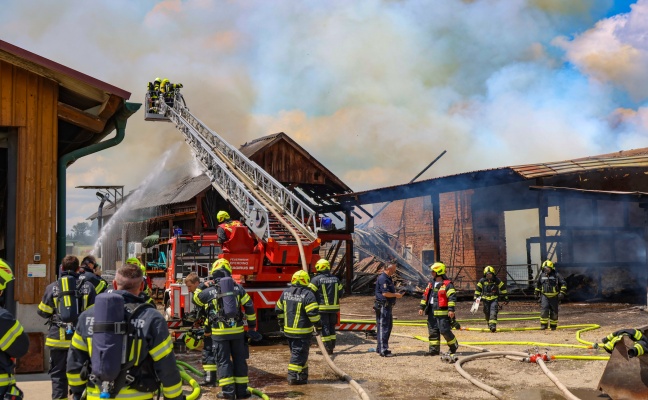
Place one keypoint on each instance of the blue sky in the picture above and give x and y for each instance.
(373, 89)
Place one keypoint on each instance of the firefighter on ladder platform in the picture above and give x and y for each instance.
(328, 290)
(225, 226)
(491, 289)
(438, 304)
(550, 290)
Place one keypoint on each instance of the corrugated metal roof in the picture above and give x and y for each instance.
(180, 191)
(579, 165)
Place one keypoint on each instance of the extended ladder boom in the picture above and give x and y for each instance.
(218, 156)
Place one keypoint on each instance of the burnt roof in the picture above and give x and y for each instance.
(636, 158)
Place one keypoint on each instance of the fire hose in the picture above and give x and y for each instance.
(524, 357)
(185, 376)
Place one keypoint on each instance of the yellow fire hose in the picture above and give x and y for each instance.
(196, 387)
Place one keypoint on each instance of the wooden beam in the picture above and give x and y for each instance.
(80, 118)
(109, 107)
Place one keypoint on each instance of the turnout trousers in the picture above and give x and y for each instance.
(298, 365)
(491, 308)
(438, 326)
(384, 324)
(549, 312)
(58, 365)
(232, 370)
(329, 320)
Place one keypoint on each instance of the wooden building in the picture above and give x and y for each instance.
(589, 216)
(50, 115)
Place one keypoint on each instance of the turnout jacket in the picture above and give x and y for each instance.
(440, 297)
(48, 308)
(224, 230)
(551, 284)
(298, 311)
(98, 282)
(14, 343)
(152, 348)
(491, 289)
(328, 290)
(207, 299)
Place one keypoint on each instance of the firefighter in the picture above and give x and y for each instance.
(90, 270)
(550, 290)
(209, 363)
(60, 331)
(385, 299)
(167, 89)
(225, 226)
(491, 289)
(222, 302)
(298, 312)
(146, 293)
(438, 304)
(328, 290)
(15, 342)
(154, 94)
(151, 362)
(639, 348)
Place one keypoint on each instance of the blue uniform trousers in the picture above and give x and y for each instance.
(384, 324)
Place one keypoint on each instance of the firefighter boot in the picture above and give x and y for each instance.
(433, 351)
(493, 328)
(543, 327)
(454, 347)
(210, 379)
(222, 395)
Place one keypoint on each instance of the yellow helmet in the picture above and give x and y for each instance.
(548, 264)
(222, 216)
(6, 275)
(439, 268)
(489, 270)
(300, 278)
(322, 265)
(192, 341)
(136, 261)
(158, 80)
(221, 263)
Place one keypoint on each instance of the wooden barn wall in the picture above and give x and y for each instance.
(287, 165)
(28, 103)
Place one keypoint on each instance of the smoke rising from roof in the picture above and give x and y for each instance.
(373, 89)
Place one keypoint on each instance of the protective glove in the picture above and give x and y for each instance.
(281, 325)
(561, 296)
(318, 330)
(537, 295)
(254, 336)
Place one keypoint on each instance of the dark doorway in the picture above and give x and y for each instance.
(8, 146)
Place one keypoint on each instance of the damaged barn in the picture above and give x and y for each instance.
(588, 215)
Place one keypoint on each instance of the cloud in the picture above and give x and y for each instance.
(374, 90)
(615, 50)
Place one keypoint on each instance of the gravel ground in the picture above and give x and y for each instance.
(411, 375)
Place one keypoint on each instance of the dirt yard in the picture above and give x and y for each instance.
(411, 375)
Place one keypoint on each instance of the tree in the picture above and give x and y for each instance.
(81, 232)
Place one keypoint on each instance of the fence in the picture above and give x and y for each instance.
(519, 277)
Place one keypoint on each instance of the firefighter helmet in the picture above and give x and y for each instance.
(221, 263)
(489, 270)
(136, 261)
(222, 216)
(439, 268)
(158, 80)
(192, 341)
(6, 275)
(548, 264)
(300, 278)
(322, 265)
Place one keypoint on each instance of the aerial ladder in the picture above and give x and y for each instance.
(269, 209)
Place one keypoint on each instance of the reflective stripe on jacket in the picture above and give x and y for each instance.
(14, 343)
(298, 309)
(551, 284)
(207, 299)
(440, 297)
(490, 290)
(328, 289)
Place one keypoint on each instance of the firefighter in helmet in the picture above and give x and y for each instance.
(328, 290)
(90, 271)
(225, 226)
(438, 304)
(491, 289)
(298, 312)
(550, 290)
(15, 341)
(146, 293)
(154, 95)
(222, 303)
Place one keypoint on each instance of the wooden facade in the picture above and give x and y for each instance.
(28, 106)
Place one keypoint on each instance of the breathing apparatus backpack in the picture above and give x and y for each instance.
(69, 297)
(227, 309)
(113, 331)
